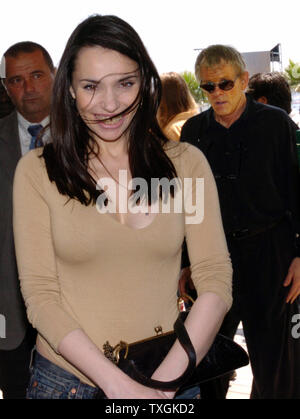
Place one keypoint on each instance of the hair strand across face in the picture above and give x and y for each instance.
(67, 157)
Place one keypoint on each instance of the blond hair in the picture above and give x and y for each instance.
(214, 54)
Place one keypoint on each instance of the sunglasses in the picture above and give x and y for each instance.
(223, 85)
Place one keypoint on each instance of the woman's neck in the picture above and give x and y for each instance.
(111, 150)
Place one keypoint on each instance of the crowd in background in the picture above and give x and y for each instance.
(106, 109)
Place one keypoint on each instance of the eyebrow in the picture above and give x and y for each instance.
(89, 81)
(126, 77)
(19, 75)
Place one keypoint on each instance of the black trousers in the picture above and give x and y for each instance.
(14, 368)
(260, 265)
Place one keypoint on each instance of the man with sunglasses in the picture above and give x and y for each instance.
(251, 149)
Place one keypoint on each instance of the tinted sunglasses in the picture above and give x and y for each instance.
(223, 85)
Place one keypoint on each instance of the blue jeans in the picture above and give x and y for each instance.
(190, 393)
(48, 381)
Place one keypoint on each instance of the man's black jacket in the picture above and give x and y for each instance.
(254, 163)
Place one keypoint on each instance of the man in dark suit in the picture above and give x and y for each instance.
(27, 73)
(251, 149)
(6, 105)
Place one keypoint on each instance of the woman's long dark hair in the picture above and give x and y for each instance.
(67, 156)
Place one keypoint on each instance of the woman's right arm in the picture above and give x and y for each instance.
(35, 252)
(80, 351)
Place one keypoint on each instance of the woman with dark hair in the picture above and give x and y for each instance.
(98, 254)
(177, 105)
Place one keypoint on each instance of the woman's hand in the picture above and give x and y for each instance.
(185, 281)
(130, 389)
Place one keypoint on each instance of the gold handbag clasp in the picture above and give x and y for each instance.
(113, 353)
(158, 330)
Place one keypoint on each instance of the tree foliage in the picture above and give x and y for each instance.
(292, 73)
(194, 87)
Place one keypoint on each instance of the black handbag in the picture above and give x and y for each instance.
(140, 359)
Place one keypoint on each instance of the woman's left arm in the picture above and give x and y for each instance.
(210, 265)
(202, 325)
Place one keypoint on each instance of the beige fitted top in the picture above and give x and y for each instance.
(82, 269)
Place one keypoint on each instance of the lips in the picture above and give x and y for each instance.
(219, 103)
(30, 97)
(110, 121)
(31, 100)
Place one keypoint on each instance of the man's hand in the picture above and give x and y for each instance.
(293, 279)
(185, 281)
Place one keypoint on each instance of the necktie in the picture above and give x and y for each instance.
(34, 132)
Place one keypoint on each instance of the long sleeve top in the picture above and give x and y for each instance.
(80, 269)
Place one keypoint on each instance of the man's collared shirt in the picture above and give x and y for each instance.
(24, 135)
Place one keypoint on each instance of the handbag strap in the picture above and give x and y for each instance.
(184, 339)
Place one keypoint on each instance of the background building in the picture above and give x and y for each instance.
(263, 61)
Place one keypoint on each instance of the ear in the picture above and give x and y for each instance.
(245, 80)
(72, 93)
(262, 99)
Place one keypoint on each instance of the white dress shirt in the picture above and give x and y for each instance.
(25, 137)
